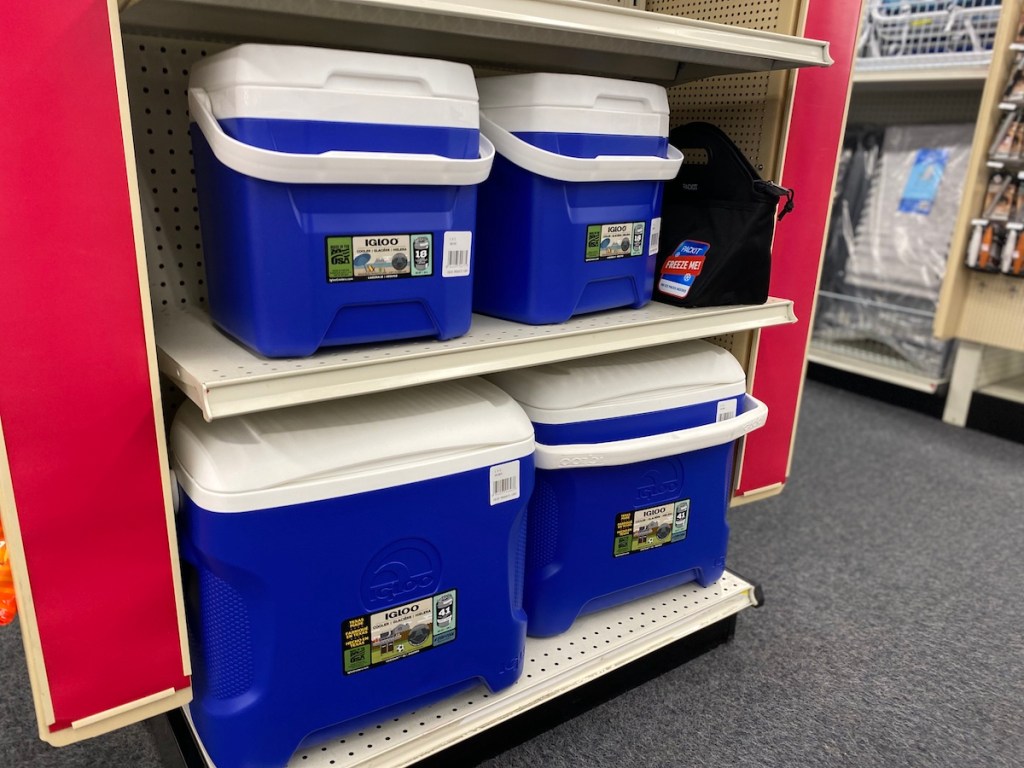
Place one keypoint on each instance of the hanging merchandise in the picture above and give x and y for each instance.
(995, 243)
(882, 302)
(859, 156)
(349, 561)
(634, 458)
(336, 195)
(569, 218)
(904, 241)
(718, 220)
(8, 606)
(1014, 92)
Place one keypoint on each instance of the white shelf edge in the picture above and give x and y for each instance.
(544, 26)
(1011, 389)
(198, 357)
(936, 78)
(877, 371)
(394, 749)
(933, 71)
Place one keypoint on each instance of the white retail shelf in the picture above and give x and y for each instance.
(562, 35)
(226, 379)
(1009, 389)
(595, 645)
(929, 72)
(888, 368)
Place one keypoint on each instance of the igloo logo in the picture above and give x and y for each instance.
(662, 482)
(402, 571)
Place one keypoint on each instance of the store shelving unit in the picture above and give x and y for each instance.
(984, 312)
(874, 361)
(1011, 389)
(225, 379)
(563, 35)
(141, 102)
(939, 72)
(597, 645)
(920, 88)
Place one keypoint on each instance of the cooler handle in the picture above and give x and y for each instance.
(754, 416)
(336, 167)
(552, 165)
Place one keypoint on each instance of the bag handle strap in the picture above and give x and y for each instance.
(701, 135)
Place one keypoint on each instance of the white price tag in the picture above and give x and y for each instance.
(504, 482)
(655, 241)
(726, 410)
(455, 255)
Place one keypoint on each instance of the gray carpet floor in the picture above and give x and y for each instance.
(893, 632)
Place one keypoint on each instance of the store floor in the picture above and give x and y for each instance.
(893, 630)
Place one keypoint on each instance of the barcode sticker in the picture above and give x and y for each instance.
(504, 482)
(652, 249)
(726, 410)
(455, 258)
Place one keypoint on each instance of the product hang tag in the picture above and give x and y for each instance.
(922, 185)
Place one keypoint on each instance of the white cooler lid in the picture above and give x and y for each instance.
(625, 383)
(342, 447)
(297, 82)
(554, 103)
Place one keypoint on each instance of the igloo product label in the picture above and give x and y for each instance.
(650, 528)
(615, 241)
(379, 257)
(398, 632)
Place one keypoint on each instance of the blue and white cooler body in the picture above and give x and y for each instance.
(634, 471)
(349, 561)
(336, 195)
(569, 218)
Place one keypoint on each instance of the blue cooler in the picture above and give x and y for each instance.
(569, 218)
(336, 195)
(634, 473)
(350, 561)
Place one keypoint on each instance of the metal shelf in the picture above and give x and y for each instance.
(1008, 389)
(225, 379)
(558, 35)
(931, 72)
(596, 645)
(889, 368)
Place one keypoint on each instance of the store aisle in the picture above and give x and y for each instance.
(893, 630)
(892, 633)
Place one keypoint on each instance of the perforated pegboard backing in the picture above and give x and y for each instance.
(747, 107)
(753, 14)
(157, 70)
(914, 107)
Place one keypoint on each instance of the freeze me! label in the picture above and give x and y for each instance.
(404, 630)
(651, 528)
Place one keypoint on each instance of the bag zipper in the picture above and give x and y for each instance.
(778, 191)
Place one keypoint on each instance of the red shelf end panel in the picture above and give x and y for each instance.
(84, 451)
(815, 133)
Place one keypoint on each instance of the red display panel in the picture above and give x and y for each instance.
(76, 401)
(816, 130)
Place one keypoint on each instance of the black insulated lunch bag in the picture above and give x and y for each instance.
(717, 223)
